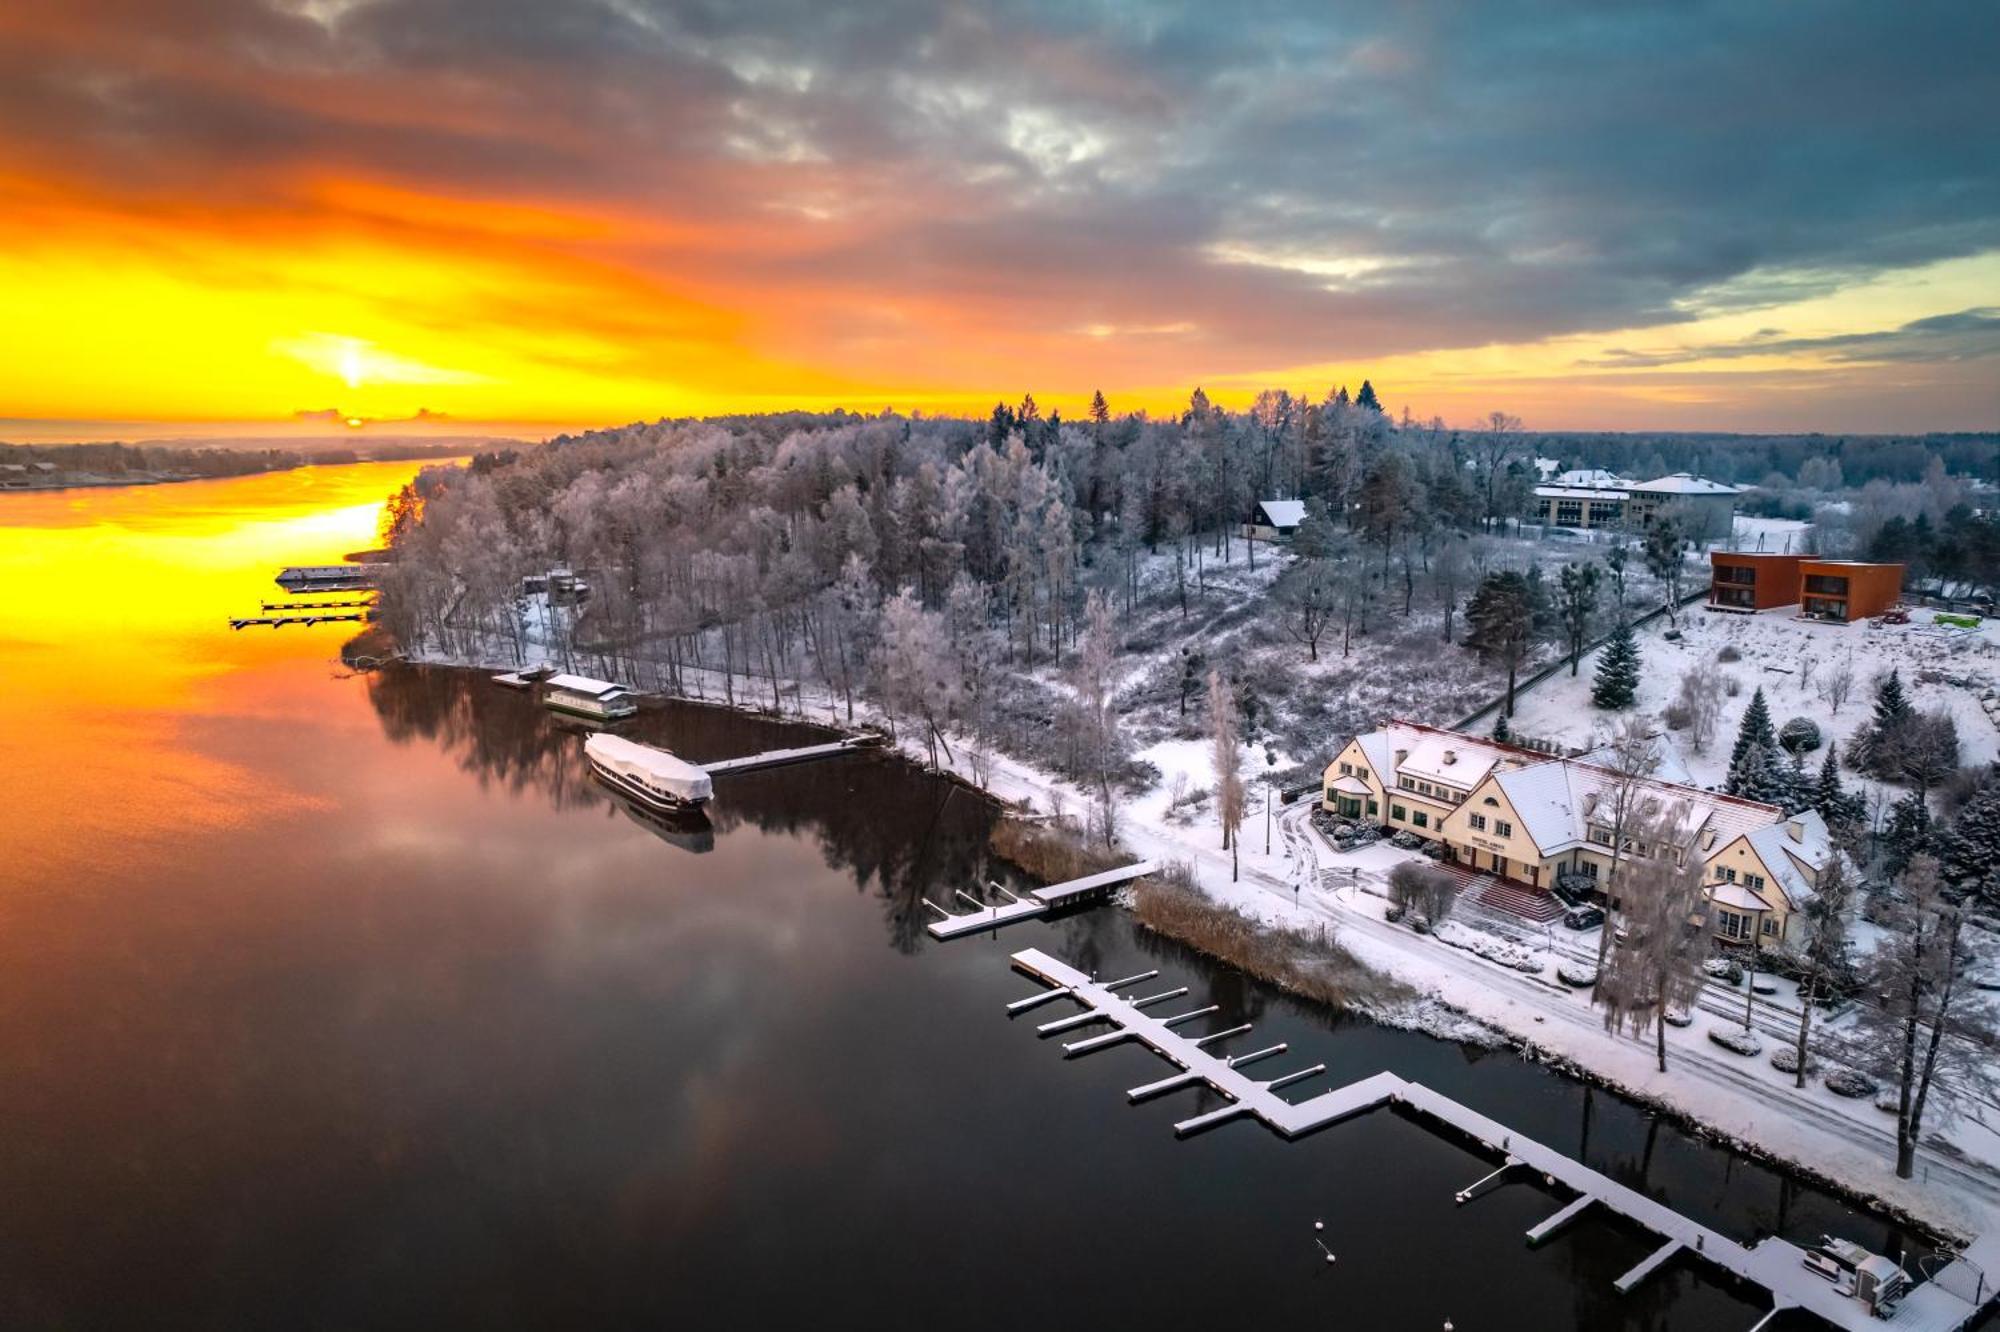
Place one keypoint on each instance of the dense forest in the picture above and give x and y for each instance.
(1029, 579)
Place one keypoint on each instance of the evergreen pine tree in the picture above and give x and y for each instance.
(1892, 706)
(1798, 786)
(1501, 731)
(1763, 776)
(1755, 735)
(1969, 850)
(1908, 833)
(1617, 681)
(1367, 398)
(1830, 798)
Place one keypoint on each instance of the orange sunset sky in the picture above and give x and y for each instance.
(537, 214)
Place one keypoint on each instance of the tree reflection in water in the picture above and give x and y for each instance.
(900, 832)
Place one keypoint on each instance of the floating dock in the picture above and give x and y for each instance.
(778, 758)
(989, 916)
(314, 605)
(280, 621)
(328, 577)
(1773, 1265)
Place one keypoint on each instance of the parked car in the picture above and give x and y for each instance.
(1583, 917)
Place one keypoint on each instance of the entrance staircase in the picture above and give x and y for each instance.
(1536, 905)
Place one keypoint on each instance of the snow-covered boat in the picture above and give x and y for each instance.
(651, 777)
(1878, 1282)
(525, 677)
(597, 700)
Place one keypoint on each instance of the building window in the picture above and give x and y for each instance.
(1770, 925)
(1397, 812)
(1503, 828)
(1347, 769)
(1590, 868)
(1478, 822)
(1373, 808)
(1724, 874)
(1422, 820)
(1754, 882)
(1731, 925)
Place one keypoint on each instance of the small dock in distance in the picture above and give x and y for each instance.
(315, 605)
(280, 621)
(987, 916)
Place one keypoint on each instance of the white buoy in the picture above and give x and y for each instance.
(1319, 1225)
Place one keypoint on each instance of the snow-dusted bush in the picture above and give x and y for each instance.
(1725, 969)
(1736, 1040)
(1786, 1059)
(1800, 735)
(1847, 1082)
(1729, 653)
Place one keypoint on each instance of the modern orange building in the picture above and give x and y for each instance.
(1745, 582)
(1843, 590)
(1847, 591)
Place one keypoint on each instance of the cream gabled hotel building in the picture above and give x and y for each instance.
(1526, 817)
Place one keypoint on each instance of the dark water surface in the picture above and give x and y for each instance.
(330, 1001)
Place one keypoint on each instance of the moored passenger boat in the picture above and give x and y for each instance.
(597, 700)
(651, 777)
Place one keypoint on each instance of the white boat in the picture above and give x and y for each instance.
(597, 700)
(650, 777)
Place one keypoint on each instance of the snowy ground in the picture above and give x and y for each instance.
(1302, 881)
(1790, 658)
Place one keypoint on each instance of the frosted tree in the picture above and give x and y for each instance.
(1631, 758)
(1576, 608)
(1930, 1031)
(1824, 946)
(1666, 561)
(1656, 970)
(1500, 624)
(1226, 750)
(1700, 702)
(920, 675)
(1095, 678)
(1969, 848)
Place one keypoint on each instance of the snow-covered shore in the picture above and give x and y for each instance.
(1463, 996)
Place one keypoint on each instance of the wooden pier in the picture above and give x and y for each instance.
(989, 916)
(778, 758)
(1773, 1265)
(314, 605)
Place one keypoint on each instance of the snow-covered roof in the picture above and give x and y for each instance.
(1736, 895)
(1577, 493)
(1557, 798)
(1592, 478)
(1425, 750)
(1449, 759)
(583, 684)
(1794, 851)
(1282, 513)
(1685, 483)
(1350, 786)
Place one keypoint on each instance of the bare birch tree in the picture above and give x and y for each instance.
(1656, 970)
(1223, 730)
(1927, 1029)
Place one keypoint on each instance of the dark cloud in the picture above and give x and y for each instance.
(1292, 182)
(1968, 335)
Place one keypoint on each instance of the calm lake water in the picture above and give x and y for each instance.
(340, 1001)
